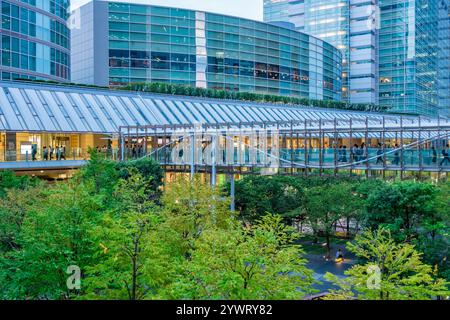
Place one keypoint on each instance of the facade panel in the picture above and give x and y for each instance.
(346, 24)
(160, 44)
(408, 55)
(35, 40)
(394, 42)
(444, 58)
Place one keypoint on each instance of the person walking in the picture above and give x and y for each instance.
(33, 152)
(396, 160)
(109, 151)
(363, 152)
(344, 154)
(339, 254)
(340, 154)
(380, 154)
(58, 153)
(354, 153)
(433, 155)
(446, 158)
(45, 152)
(63, 152)
(51, 152)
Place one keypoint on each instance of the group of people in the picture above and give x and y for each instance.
(58, 151)
(342, 153)
(445, 154)
(360, 153)
(106, 151)
(356, 153)
(136, 151)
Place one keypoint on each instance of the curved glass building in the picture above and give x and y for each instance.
(35, 40)
(120, 43)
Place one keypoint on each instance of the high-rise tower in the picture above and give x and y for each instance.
(35, 40)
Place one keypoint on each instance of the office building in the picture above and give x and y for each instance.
(35, 40)
(390, 47)
(444, 58)
(346, 24)
(116, 44)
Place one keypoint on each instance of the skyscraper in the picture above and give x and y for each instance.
(35, 40)
(390, 47)
(444, 57)
(408, 55)
(346, 24)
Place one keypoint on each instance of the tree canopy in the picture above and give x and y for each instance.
(388, 271)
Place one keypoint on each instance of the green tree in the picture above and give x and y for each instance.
(189, 207)
(9, 180)
(324, 206)
(105, 174)
(434, 232)
(101, 172)
(388, 271)
(53, 236)
(245, 263)
(255, 196)
(401, 207)
(14, 206)
(150, 171)
(122, 241)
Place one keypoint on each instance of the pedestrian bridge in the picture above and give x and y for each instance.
(367, 144)
(370, 145)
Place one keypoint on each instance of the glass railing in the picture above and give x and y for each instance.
(329, 157)
(55, 155)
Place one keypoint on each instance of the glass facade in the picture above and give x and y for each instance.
(276, 10)
(330, 20)
(292, 11)
(390, 47)
(347, 25)
(35, 40)
(444, 58)
(408, 55)
(160, 44)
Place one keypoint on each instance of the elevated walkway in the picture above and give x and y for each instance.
(42, 165)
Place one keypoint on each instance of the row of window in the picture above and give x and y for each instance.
(126, 58)
(258, 53)
(254, 76)
(327, 64)
(56, 7)
(32, 63)
(28, 22)
(25, 47)
(145, 36)
(231, 48)
(161, 21)
(120, 11)
(155, 64)
(120, 30)
(32, 56)
(128, 12)
(159, 56)
(151, 10)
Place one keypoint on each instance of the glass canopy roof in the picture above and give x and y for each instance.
(52, 108)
